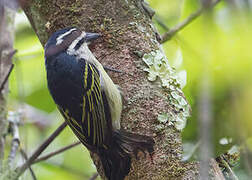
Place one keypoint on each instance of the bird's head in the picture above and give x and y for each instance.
(68, 39)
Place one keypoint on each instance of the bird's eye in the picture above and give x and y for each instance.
(78, 45)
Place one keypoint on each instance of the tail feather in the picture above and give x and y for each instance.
(116, 159)
(134, 143)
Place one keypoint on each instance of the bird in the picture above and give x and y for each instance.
(90, 102)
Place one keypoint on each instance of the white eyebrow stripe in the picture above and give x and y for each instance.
(71, 47)
(60, 38)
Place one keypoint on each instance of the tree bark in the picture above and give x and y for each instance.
(6, 52)
(156, 108)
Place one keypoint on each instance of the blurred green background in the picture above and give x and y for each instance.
(222, 40)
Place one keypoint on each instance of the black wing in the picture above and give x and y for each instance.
(76, 89)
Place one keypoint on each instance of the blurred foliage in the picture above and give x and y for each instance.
(221, 38)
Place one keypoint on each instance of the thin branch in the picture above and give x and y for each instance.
(168, 35)
(9, 57)
(24, 155)
(94, 176)
(6, 77)
(40, 149)
(161, 23)
(49, 155)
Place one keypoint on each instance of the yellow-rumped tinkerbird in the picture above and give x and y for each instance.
(90, 102)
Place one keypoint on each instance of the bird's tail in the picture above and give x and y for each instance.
(116, 160)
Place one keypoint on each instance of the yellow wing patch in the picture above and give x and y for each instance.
(93, 107)
(92, 126)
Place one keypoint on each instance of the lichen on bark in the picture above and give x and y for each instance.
(128, 34)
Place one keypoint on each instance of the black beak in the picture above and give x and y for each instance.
(91, 36)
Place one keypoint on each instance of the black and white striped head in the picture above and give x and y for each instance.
(69, 40)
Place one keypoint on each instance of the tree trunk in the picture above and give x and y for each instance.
(154, 107)
(6, 52)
